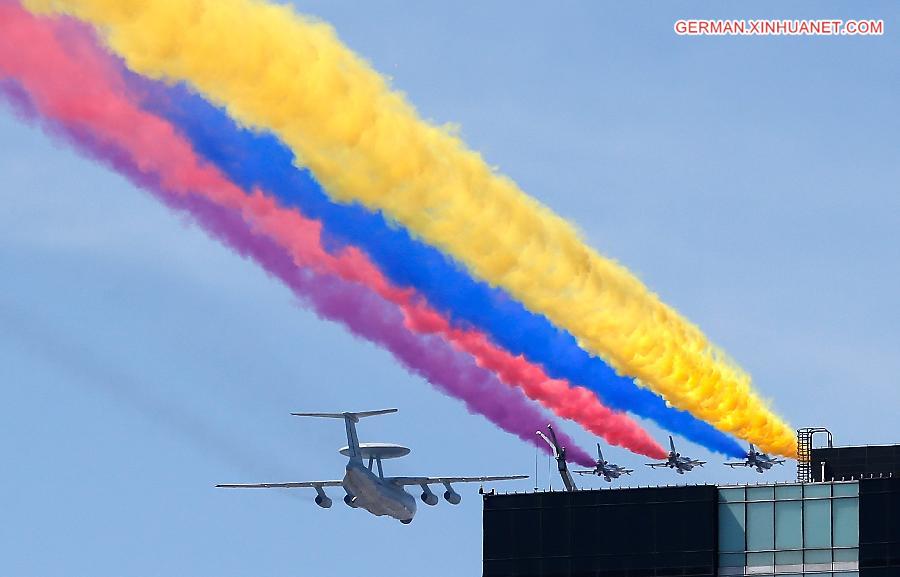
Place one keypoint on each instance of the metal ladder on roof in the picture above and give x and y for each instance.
(804, 451)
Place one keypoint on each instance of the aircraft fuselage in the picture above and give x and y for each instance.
(376, 495)
(762, 465)
(610, 474)
(681, 465)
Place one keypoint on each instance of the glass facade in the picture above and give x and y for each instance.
(791, 530)
(840, 529)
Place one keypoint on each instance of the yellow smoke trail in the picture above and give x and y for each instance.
(278, 70)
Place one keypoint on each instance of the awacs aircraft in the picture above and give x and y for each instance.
(373, 491)
(761, 461)
(677, 462)
(606, 469)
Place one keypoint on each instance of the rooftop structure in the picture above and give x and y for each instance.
(846, 527)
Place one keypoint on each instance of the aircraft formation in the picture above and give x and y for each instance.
(366, 486)
(675, 461)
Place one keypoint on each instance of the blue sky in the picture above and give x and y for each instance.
(752, 182)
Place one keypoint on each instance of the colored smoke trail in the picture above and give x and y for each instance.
(370, 317)
(258, 160)
(243, 165)
(101, 121)
(277, 70)
(572, 403)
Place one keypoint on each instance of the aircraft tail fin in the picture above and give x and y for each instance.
(350, 420)
(355, 416)
(599, 454)
(672, 443)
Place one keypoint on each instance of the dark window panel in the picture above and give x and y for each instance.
(653, 532)
(498, 568)
(848, 462)
(527, 568)
(879, 527)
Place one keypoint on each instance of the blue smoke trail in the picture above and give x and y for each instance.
(253, 159)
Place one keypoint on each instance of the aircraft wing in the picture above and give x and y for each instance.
(435, 480)
(309, 484)
(741, 464)
(586, 472)
(654, 465)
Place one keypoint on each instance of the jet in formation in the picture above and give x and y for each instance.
(364, 482)
(677, 462)
(760, 461)
(606, 469)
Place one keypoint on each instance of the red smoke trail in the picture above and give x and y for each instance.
(576, 403)
(51, 96)
(100, 89)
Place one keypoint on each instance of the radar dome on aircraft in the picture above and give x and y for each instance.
(378, 451)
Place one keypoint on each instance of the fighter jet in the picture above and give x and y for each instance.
(761, 461)
(606, 469)
(370, 490)
(677, 462)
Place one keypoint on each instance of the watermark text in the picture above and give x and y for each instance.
(833, 27)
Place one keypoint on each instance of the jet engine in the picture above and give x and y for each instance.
(322, 500)
(428, 497)
(350, 500)
(452, 497)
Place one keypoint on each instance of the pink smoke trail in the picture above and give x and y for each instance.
(99, 119)
(301, 237)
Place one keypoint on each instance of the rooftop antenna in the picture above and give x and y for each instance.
(549, 475)
(559, 453)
